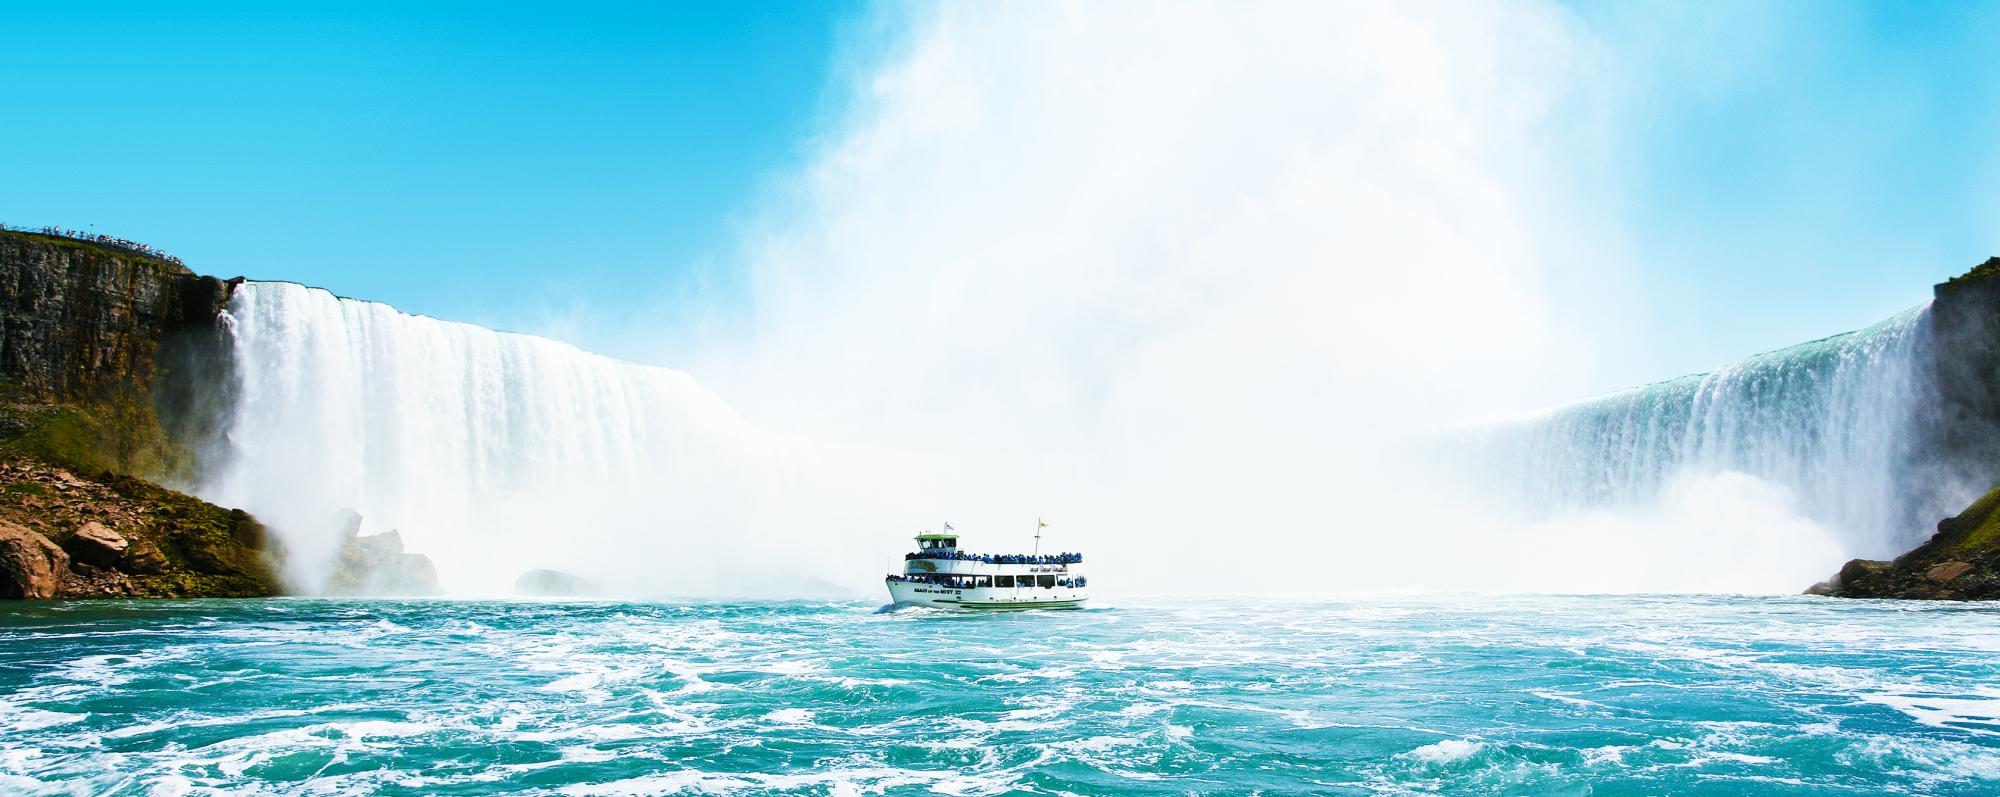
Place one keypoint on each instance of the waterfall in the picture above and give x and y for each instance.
(497, 453)
(1838, 424)
(493, 453)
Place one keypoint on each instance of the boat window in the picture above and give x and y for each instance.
(983, 581)
(1047, 581)
(1003, 581)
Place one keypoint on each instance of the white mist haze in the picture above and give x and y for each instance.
(1202, 284)
(1192, 280)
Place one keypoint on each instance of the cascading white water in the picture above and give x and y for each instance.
(496, 453)
(493, 453)
(1835, 424)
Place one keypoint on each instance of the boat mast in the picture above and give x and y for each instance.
(1039, 525)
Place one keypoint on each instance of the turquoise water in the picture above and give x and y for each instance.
(1525, 695)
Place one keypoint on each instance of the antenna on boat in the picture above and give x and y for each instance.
(1039, 525)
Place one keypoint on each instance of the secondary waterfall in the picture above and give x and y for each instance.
(493, 453)
(1838, 424)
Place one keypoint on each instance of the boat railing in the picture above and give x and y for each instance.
(956, 581)
(1065, 558)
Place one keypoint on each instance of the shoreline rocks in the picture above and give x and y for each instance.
(122, 537)
(1960, 562)
(31, 566)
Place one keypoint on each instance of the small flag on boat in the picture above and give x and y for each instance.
(947, 527)
(1040, 524)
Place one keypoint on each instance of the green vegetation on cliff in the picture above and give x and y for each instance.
(63, 467)
(1960, 562)
(57, 477)
(120, 436)
(1984, 271)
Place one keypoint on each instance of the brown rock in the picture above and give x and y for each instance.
(30, 565)
(1947, 571)
(96, 545)
(143, 559)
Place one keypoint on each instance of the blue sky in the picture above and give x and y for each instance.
(1777, 172)
(475, 161)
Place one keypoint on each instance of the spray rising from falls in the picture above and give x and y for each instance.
(492, 453)
(1836, 428)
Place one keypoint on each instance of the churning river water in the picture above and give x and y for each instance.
(1459, 695)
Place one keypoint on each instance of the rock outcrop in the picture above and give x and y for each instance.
(553, 583)
(30, 565)
(1960, 562)
(376, 564)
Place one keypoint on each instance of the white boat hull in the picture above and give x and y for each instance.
(912, 593)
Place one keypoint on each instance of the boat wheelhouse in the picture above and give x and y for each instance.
(939, 574)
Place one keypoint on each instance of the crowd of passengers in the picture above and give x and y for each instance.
(967, 582)
(998, 558)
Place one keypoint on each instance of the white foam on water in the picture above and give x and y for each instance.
(790, 716)
(1446, 751)
(1978, 714)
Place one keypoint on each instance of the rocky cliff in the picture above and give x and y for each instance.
(1961, 561)
(107, 365)
(82, 321)
(93, 343)
(1965, 358)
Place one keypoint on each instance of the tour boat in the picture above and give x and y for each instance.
(939, 574)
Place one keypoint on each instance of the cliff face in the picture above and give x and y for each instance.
(1965, 335)
(94, 343)
(97, 347)
(81, 322)
(1961, 561)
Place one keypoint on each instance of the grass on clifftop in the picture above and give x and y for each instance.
(91, 247)
(1984, 271)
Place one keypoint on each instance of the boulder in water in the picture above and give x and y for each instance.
(553, 583)
(377, 565)
(31, 566)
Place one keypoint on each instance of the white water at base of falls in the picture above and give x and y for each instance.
(1833, 426)
(492, 453)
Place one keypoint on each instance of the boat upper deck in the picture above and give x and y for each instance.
(955, 555)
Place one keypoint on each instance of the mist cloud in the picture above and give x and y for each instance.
(1189, 278)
